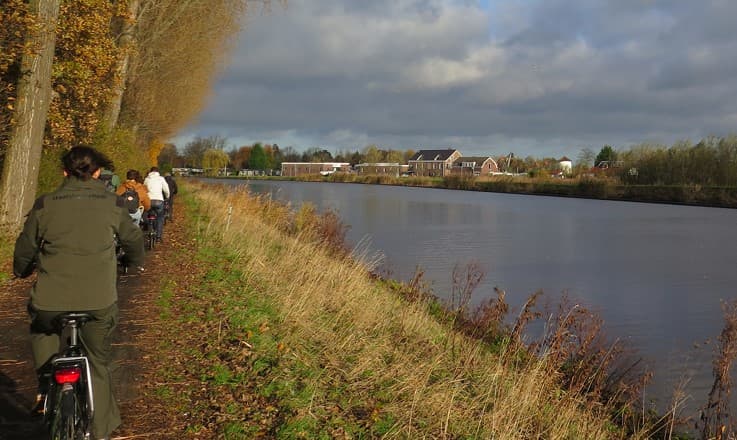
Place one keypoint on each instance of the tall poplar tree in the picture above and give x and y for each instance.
(23, 155)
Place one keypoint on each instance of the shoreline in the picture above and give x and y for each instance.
(684, 195)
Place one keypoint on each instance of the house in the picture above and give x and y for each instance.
(433, 163)
(292, 169)
(566, 165)
(389, 169)
(474, 166)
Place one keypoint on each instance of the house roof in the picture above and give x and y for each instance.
(378, 164)
(564, 159)
(477, 160)
(434, 154)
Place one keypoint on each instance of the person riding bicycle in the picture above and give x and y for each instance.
(131, 183)
(173, 190)
(158, 191)
(68, 237)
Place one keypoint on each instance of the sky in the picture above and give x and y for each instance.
(542, 78)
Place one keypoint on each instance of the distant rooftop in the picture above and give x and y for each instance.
(433, 154)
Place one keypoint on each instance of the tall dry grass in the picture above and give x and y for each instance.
(388, 353)
(716, 422)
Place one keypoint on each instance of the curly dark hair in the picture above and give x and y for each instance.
(82, 161)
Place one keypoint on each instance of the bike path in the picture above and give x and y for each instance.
(17, 381)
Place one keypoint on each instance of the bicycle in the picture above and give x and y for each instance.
(69, 405)
(149, 227)
(120, 255)
(167, 210)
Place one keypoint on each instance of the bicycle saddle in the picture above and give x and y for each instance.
(79, 317)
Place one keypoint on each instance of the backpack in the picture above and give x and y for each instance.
(107, 179)
(172, 184)
(131, 200)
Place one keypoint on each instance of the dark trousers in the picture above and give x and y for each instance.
(171, 207)
(158, 207)
(96, 337)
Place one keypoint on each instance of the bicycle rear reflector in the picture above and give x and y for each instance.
(67, 375)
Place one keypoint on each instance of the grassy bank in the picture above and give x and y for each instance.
(594, 188)
(281, 335)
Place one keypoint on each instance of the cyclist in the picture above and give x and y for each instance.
(132, 177)
(172, 192)
(158, 191)
(68, 235)
(111, 180)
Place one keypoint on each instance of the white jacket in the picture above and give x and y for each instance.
(157, 187)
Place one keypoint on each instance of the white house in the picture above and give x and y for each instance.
(566, 165)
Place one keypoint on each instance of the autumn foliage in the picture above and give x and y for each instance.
(14, 21)
(83, 71)
(161, 55)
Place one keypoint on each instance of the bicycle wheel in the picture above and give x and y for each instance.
(150, 236)
(68, 422)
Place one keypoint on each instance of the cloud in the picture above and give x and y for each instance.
(537, 77)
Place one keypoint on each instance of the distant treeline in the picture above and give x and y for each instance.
(710, 162)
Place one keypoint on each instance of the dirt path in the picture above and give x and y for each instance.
(134, 351)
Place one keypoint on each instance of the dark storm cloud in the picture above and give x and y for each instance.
(538, 77)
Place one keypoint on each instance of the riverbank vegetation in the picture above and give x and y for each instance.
(295, 338)
(593, 187)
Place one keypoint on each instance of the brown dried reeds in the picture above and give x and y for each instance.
(716, 422)
(574, 346)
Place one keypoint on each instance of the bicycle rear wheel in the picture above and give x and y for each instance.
(69, 422)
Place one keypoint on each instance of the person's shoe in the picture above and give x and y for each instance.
(39, 406)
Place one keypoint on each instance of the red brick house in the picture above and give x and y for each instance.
(474, 166)
(433, 163)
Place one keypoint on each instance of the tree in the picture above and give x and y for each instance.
(277, 157)
(180, 47)
(586, 159)
(316, 154)
(355, 158)
(22, 158)
(258, 159)
(101, 72)
(194, 150)
(124, 27)
(269, 152)
(607, 154)
(289, 154)
(394, 156)
(168, 157)
(239, 158)
(371, 154)
(408, 155)
(214, 160)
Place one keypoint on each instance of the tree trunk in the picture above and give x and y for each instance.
(125, 42)
(20, 170)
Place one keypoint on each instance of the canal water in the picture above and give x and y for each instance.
(655, 273)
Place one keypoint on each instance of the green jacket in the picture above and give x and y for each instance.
(69, 238)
